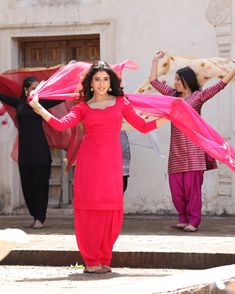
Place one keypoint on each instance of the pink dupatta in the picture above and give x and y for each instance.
(188, 121)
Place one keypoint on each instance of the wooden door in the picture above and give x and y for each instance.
(46, 52)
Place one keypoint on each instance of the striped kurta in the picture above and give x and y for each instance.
(184, 155)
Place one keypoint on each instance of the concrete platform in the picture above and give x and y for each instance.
(145, 242)
(148, 252)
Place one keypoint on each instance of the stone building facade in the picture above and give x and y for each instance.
(115, 31)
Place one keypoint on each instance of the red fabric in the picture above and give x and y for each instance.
(98, 175)
(96, 233)
(11, 85)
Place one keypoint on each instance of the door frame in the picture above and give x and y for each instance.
(12, 33)
(62, 41)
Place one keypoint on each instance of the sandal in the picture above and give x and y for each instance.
(95, 270)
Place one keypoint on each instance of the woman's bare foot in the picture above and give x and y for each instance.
(108, 268)
(190, 229)
(95, 270)
(38, 224)
(179, 226)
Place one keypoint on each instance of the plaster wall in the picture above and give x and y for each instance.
(133, 29)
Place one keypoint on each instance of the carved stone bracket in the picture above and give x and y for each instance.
(219, 14)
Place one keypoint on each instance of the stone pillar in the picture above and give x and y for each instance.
(220, 14)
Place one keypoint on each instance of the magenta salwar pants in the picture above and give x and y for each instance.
(186, 192)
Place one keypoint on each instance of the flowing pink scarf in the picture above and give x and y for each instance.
(189, 122)
(66, 82)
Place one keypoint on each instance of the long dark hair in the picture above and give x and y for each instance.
(86, 93)
(26, 84)
(188, 78)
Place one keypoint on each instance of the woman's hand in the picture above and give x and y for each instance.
(161, 121)
(35, 104)
(153, 72)
(229, 76)
(37, 107)
(158, 55)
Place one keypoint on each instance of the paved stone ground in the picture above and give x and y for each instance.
(33, 280)
(71, 280)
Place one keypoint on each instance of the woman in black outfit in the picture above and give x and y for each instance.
(34, 157)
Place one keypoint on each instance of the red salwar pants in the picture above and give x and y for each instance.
(186, 192)
(96, 233)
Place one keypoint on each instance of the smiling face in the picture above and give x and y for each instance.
(101, 83)
(179, 86)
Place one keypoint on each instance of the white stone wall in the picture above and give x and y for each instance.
(135, 29)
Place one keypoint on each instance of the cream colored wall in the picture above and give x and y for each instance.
(136, 29)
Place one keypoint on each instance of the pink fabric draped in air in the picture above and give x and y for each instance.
(66, 82)
(189, 122)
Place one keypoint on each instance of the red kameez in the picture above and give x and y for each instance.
(98, 174)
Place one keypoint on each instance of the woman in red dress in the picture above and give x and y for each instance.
(98, 183)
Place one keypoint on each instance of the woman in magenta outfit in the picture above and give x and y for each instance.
(187, 162)
(98, 182)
